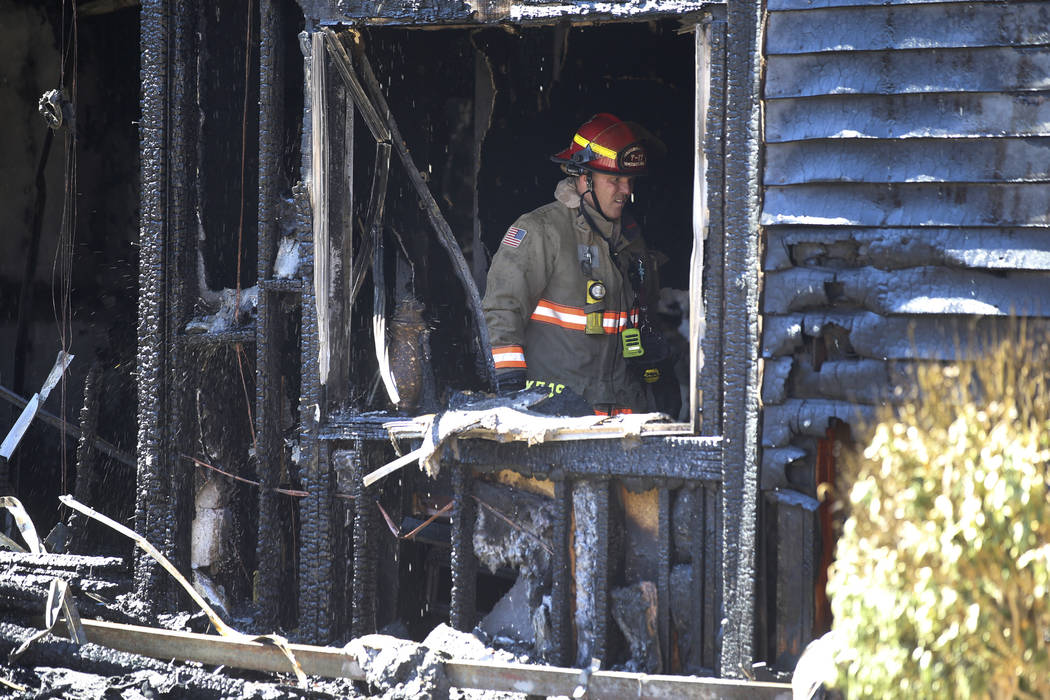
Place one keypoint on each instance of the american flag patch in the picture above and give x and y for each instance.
(514, 236)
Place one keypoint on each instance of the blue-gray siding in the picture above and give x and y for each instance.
(906, 208)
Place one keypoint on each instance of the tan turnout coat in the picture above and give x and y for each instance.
(535, 301)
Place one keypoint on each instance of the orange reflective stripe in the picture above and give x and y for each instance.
(575, 318)
(613, 322)
(508, 356)
(571, 317)
(615, 411)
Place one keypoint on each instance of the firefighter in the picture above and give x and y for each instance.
(562, 302)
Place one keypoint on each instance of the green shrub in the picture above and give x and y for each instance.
(940, 584)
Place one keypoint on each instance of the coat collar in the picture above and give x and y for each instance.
(566, 193)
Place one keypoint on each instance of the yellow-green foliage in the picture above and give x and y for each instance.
(940, 585)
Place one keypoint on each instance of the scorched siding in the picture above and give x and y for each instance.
(906, 183)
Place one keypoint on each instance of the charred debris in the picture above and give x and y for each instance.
(318, 449)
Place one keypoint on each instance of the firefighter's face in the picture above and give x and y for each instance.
(613, 192)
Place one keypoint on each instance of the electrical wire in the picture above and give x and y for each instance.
(62, 265)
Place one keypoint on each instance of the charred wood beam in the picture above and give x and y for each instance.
(365, 533)
(712, 40)
(62, 562)
(711, 50)
(312, 543)
(192, 682)
(268, 454)
(741, 333)
(711, 575)
(663, 580)
(590, 543)
(697, 631)
(97, 582)
(152, 482)
(561, 575)
(797, 557)
(87, 476)
(668, 459)
(463, 612)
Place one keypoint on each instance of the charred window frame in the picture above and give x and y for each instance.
(345, 94)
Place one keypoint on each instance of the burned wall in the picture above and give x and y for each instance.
(905, 219)
(68, 276)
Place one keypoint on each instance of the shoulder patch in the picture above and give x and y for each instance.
(514, 236)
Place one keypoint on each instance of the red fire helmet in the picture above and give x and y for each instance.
(606, 144)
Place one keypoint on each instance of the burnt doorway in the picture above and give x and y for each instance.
(472, 117)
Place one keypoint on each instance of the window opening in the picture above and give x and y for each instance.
(482, 124)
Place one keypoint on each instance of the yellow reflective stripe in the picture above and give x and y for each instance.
(597, 148)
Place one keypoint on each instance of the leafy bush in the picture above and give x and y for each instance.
(940, 585)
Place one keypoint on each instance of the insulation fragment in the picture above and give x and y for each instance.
(29, 412)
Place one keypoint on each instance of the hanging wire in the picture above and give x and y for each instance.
(239, 350)
(62, 265)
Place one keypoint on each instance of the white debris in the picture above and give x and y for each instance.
(287, 263)
(224, 318)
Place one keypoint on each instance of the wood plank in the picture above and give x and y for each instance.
(895, 71)
(938, 115)
(910, 26)
(332, 662)
(910, 204)
(990, 248)
(908, 160)
(611, 685)
(239, 652)
(796, 543)
(317, 80)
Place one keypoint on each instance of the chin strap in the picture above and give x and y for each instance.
(594, 199)
(590, 222)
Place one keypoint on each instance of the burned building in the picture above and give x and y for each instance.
(848, 187)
